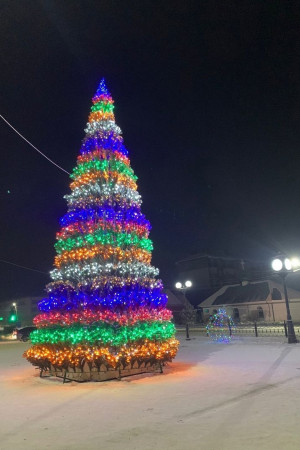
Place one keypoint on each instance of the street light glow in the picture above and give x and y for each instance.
(277, 265)
(295, 263)
(178, 285)
(188, 283)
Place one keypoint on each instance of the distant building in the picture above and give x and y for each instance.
(253, 301)
(183, 311)
(209, 273)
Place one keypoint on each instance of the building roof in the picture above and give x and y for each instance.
(176, 300)
(243, 294)
(251, 292)
(206, 255)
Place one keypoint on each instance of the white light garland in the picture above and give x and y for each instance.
(82, 271)
(102, 125)
(105, 190)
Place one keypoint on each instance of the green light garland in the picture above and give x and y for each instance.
(103, 237)
(104, 333)
(103, 106)
(102, 165)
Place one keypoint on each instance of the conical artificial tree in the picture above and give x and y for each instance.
(105, 312)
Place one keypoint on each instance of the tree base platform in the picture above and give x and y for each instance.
(100, 375)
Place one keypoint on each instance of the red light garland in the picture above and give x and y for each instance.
(91, 227)
(101, 153)
(89, 316)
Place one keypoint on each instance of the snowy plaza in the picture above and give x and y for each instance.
(242, 395)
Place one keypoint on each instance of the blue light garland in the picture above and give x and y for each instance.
(114, 297)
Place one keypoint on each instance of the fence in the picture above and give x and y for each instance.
(244, 330)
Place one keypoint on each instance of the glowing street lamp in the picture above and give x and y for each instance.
(186, 285)
(283, 266)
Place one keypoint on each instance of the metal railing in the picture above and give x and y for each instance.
(254, 329)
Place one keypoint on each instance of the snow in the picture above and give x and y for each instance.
(243, 395)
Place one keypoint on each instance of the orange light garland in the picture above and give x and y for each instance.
(106, 252)
(104, 175)
(64, 355)
(100, 115)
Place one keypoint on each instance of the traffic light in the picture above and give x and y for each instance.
(12, 316)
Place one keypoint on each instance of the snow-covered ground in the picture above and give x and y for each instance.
(243, 395)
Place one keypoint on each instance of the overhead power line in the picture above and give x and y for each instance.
(16, 131)
(22, 267)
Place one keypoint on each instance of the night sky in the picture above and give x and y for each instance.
(207, 96)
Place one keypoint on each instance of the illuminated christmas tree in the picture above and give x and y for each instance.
(105, 312)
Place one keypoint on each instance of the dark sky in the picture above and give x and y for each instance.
(207, 96)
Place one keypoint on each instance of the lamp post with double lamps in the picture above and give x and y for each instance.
(283, 266)
(183, 287)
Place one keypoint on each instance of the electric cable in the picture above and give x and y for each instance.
(22, 267)
(16, 131)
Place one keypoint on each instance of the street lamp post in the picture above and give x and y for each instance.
(183, 288)
(283, 266)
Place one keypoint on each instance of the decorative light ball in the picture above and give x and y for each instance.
(188, 283)
(221, 327)
(277, 264)
(178, 285)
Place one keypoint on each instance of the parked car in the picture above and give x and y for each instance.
(23, 333)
